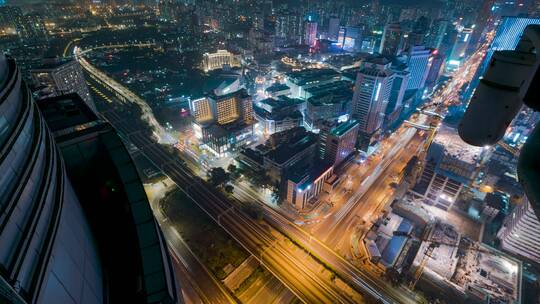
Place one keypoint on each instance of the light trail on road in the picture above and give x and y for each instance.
(253, 237)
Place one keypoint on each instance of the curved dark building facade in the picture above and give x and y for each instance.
(53, 246)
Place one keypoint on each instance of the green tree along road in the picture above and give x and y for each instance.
(210, 243)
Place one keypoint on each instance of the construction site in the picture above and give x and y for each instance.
(410, 244)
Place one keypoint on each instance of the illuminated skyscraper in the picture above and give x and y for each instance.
(219, 60)
(371, 95)
(310, 31)
(460, 46)
(393, 40)
(338, 141)
(41, 216)
(57, 77)
(437, 65)
(333, 28)
(351, 38)
(395, 103)
(419, 62)
(223, 108)
(520, 233)
(437, 32)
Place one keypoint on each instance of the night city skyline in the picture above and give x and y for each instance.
(270, 151)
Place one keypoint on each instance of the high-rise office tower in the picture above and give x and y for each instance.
(351, 38)
(47, 221)
(58, 77)
(71, 239)
(435, 69)
(419, 32)
(438, 31)
(520, 234)
(333, 28)
(281, 27)
(419, 62)
(393, 40)
(459, 50)
(371, 95)
(510, 8)
(338, 141)
(310, 31)
(508, 34)
(395, 103)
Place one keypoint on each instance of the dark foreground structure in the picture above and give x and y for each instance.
(75, 222)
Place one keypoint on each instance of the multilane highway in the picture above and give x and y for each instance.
(294, 270)
(250, 234)
(372, 189)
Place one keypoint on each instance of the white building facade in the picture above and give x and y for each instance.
(520, 234)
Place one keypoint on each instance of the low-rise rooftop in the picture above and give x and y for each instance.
(344, 127)
(277, 87)
(330, 87)
(312, 75)
(287, 143)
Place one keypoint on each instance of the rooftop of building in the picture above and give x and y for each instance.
(331, 97)
(346, 60)
(218, 130)
(277, 87)
(111, 192)
(495, 200)
(378, 59)
(344, 127)
(350, 74)
(278, 114)
(455, 147)
(240, 93)
(377, 66)
(332, 86)
(66, 111)
(281, 102)
(306, 174)
(284, 145)
(473, 268)
(215, 80)
(253, 155)
(388, 245)
(310, 75)
(487, 273)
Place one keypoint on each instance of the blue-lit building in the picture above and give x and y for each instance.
(460, 48)
(350, 38)
(419, 62)
(508, 34)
